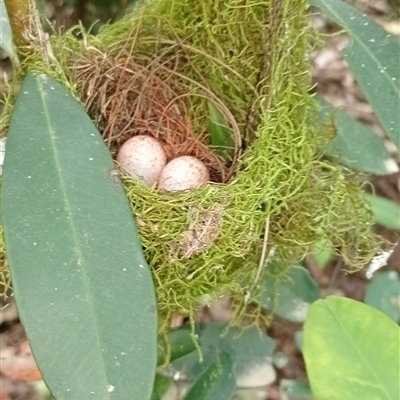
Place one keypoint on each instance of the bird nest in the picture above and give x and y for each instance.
(157, 73)
(139, 94)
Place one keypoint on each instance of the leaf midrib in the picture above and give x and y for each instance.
(70, 218)
(360, 354)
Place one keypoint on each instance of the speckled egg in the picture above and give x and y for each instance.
(142, 157)
(183, 173)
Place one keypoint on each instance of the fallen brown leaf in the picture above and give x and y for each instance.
(19, 364)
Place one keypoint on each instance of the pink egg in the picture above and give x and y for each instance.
(183, 173)
(142, 157)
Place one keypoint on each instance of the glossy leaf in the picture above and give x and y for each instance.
(386, 212)
(155, 396)
(83, 289)
(252, 351)
(383, 293)
(6, 41)
(356, 146)
(373, 57)
(249, 348)
(161, 385)
(292, 389)
(217, 382)
(290, 295)
(351, 351)
(178, 343)
(220, 133)
(209, 340)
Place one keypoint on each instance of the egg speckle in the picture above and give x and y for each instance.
(183, 173)
(142, 157)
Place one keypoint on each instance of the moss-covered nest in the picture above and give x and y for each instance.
(156, 73)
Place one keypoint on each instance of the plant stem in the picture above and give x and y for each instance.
(19, 15)
(28, 35)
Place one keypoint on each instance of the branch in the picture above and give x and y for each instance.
(28, 35)
(19, 16)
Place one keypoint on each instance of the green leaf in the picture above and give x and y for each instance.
(209, 338)
(220, 134)
(178, 343)
(383, 293)
(351, 351)
(252, 351)
(249, 348)
(386, 212)
(289, 295)
(323, 252)
(373, 57)
(82, 286)
(294, 389)
(155, 396)
(217, 382)
(161, 386)
(357, 146)
(6, 40)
